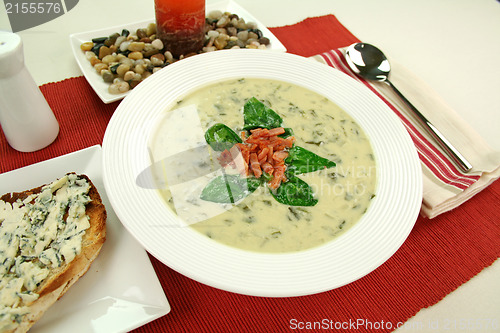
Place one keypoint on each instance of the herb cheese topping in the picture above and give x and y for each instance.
(37, 234)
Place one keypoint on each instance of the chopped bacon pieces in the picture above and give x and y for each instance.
(262, 151)
(255, 165)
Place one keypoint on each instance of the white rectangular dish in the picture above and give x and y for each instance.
(120, 291)
(101, 87)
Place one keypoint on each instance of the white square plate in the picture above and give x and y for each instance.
(120, 291)
(101, 87)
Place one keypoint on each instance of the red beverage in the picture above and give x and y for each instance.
(180, 25)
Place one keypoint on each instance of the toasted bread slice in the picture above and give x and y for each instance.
(60, 279)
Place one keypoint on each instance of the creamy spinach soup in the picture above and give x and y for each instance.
(186, 168)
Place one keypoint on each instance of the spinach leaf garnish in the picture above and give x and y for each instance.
(232, 188)
(288, 132)
(221, 137)
(295, 192)
(229, 188)
(301, 160)
(256, 114)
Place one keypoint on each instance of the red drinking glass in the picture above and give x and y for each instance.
(180, 25)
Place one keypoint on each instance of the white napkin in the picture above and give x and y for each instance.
(445, 186)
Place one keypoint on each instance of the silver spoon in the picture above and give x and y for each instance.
(370, 63)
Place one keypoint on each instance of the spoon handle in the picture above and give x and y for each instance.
(458, 158)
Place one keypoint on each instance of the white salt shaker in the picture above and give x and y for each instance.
(26, 118)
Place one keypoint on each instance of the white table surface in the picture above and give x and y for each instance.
(454, 45)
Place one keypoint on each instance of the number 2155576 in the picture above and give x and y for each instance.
(33, 7)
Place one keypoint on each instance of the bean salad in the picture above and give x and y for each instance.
(125, 58)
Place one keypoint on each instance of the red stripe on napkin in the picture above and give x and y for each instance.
(430, 155)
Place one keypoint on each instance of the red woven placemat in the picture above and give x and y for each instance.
(438, 256)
